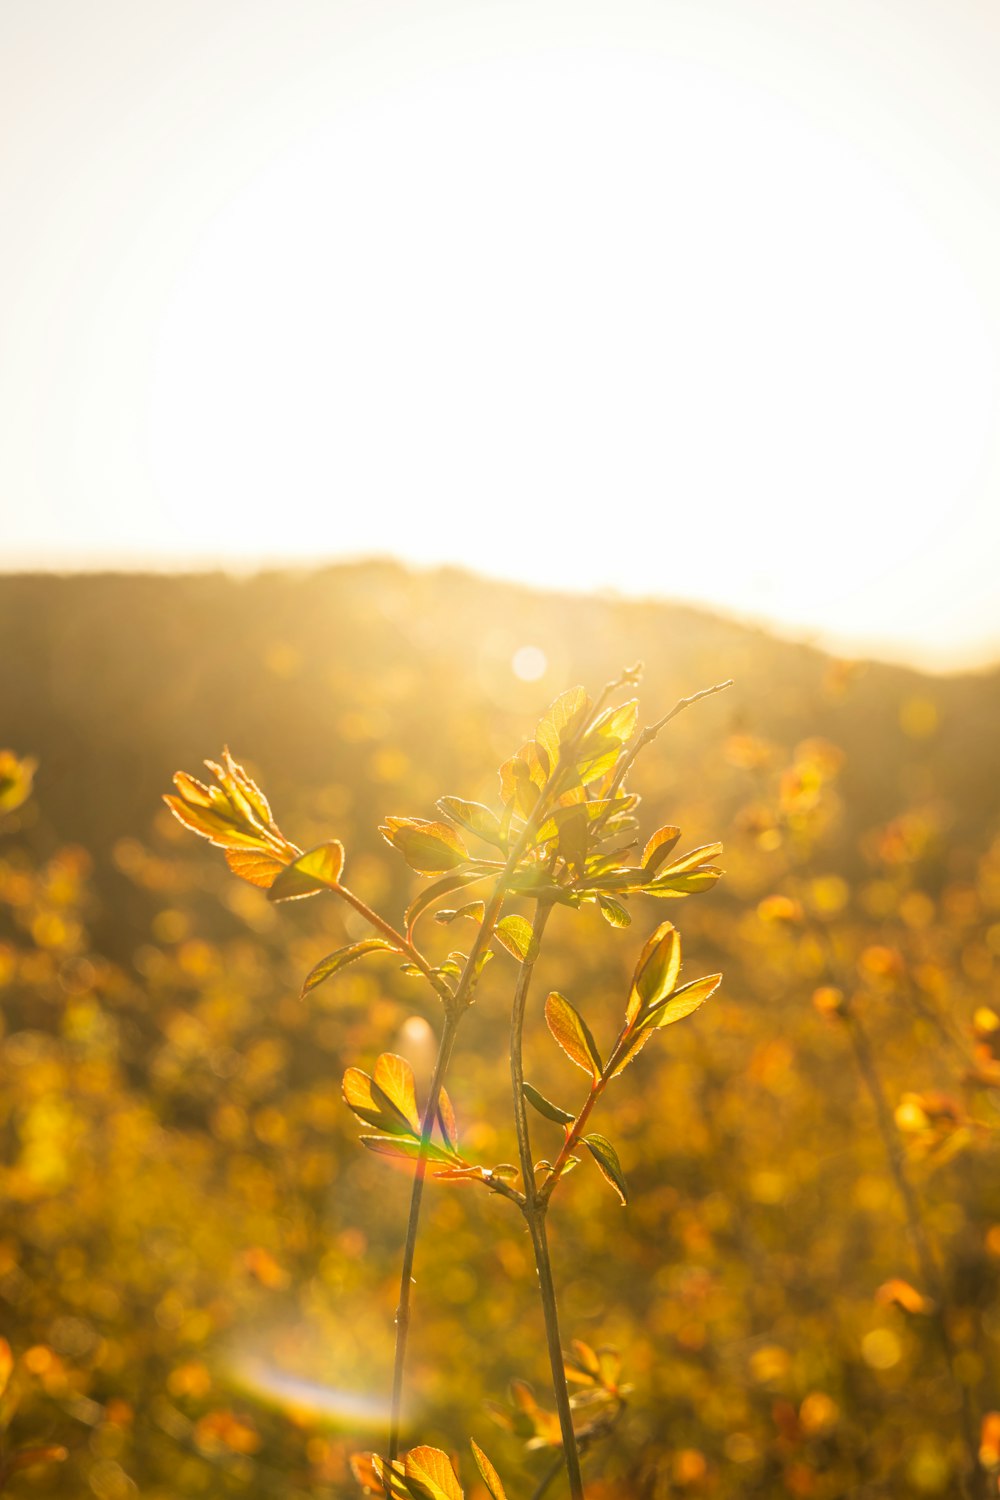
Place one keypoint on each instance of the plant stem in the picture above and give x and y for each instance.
(445, 1049)
(391, 935)
(930, 1271)
(455, 1007)
(534, 1212)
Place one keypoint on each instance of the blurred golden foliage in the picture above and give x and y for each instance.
(197, 1265)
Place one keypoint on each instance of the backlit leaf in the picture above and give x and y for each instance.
(317, 870)
(546, 1107)
(491, 1478)
(430, 1475)
(474, 911)
(363, 1095)
(692, 860)
(474, 817)
(619, 723)
(606, 1158)
(656, 970)
(391, 1145)
(428, 847)
(343, 956)
(612, 911)
(690, 884)
(394, 1076)
(446, 1120)
(560, 722)
(390, 1477)
(257, 866)
(212, 825)
(517, 936)
(572, 1033)
(682, 1002)
(658, 847)
(634, 1047)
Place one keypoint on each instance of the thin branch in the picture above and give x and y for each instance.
(534, 1213)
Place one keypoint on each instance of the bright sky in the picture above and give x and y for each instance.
(693, 298)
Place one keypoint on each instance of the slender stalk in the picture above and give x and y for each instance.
(391, 935)
(534, 1212)
(649, 734)
(445, 1049)
(974, 1481)
(455, 1007)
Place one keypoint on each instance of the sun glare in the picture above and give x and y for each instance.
(460, 331)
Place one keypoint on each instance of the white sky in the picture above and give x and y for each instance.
(696, 298)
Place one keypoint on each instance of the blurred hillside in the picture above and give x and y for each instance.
(197, 1262)
(114, 681)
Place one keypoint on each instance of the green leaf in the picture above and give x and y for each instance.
(517, 936)
(430, 1475)
(475, 818)
(573, 1034)
(560, 722)
(475, 911)
(546, 1107)
(656, 970)
(343, 956)
(692, 860)
(659, 846)
(606, 1158)
(394, 1076)
(491, 1478)
(682, 1002)
(428, 847)
(318, 869)
(612, 911)
(391, 1145)
(684, 885)
(619, 723)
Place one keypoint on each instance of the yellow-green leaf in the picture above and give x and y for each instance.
(343, 956)
(634, 1047)
(318, 869)
(572, 1033)
(389, 1477)
(428, 847)
(658, 847)
(430, 1475)
(560, 722)
(474, 817)
(691, 861)
(689, 884)
(682, 1002)
(394, 1076)
(491, 1478)
(606, 1158)
(656, 970)
(517, 936)
(397, 1145)
(612, 911)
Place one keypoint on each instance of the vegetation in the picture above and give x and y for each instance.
(198, 1269)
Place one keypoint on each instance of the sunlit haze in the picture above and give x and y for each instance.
(695, 300)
